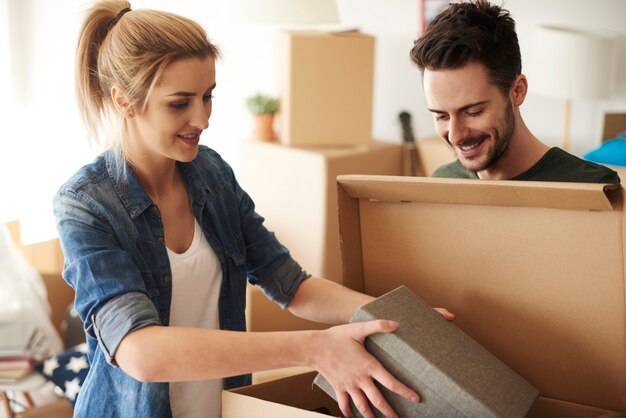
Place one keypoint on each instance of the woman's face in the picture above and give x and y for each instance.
(176, 113)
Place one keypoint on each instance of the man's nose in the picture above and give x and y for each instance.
(457, 131)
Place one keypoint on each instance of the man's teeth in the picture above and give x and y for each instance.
(470, 147)
(189, 136)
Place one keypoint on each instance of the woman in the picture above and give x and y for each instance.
(159, 239)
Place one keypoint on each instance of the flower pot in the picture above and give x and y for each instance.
(263, 127)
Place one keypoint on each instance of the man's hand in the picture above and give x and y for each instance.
(446, 314)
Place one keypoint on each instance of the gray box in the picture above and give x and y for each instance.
(454, 375)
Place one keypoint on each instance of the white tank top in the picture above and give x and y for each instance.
(196, 283)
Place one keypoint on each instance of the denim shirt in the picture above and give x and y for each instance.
(115, 259)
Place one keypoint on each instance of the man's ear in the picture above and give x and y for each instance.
(120, 102)
(519, 90)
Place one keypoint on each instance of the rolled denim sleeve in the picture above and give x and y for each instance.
(120, 316)
(270, 266)
(103, 274)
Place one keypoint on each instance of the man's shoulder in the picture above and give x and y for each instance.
(454, 170)
(559, 165)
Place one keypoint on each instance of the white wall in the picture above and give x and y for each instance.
(45, 136)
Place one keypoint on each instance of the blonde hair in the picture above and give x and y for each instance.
(130, 50)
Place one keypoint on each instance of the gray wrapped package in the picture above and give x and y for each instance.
(454, 375)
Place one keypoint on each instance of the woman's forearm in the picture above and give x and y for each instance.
(160, 354)
(325, 301)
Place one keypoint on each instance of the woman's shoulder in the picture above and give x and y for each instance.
(90, 173)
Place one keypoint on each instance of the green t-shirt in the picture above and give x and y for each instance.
(555, 165)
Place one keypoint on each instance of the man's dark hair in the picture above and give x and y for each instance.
(474, 31)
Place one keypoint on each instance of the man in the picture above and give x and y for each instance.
(470, 61)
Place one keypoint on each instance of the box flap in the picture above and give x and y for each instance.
(534, 272)
(291, 397)
(472, 192)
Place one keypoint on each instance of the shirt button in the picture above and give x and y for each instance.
(154, 209)
(160, 239)
(166, 279)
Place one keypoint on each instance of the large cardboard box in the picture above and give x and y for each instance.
(326, 84)
(534, 272)
(295, 190)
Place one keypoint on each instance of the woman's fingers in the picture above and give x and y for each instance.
(386, 379)
(362, 403)
(361, 330)
(377, 400)
(355, 379)
(343, 400)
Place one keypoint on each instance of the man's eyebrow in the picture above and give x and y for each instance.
(190, 94)
(462, 108)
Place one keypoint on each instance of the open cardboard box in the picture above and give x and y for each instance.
(534, 272)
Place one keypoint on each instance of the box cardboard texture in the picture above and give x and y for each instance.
(534, 272)
(326, 87)
(295, 190)
(453, 374)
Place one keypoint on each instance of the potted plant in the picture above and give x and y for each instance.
(263, 108)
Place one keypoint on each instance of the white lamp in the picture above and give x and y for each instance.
(289, 11)
(571, 63)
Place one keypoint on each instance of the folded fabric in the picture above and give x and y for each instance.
(612, 152)
(67, 370)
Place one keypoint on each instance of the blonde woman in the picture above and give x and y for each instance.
(159, 240)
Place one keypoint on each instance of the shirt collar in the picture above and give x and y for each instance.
(128, 188)
(134, 197)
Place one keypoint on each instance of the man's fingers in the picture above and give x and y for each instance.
(446, 314)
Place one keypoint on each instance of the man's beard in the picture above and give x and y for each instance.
(502, 142)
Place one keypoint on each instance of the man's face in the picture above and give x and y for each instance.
(470, 114)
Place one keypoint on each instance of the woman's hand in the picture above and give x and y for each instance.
(339, 355)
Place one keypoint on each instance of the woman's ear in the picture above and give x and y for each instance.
(519, 90)
(120, 102)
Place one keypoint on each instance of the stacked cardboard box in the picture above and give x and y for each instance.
(326, 83)
(295, 189)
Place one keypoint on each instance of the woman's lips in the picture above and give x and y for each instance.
(190, 139)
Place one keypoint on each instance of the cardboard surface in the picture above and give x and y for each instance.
(326, 84)
(533, 271)
(291, 397)
(295, 190)
(453, 374)
(614, 125)
(433, 153)
(263, 315)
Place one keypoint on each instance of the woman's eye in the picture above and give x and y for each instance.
(207, 97)
(179, 106)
